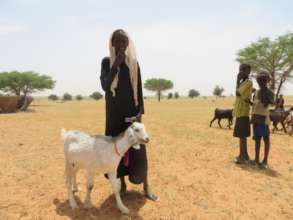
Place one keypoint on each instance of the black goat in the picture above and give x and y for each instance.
(223, 113)
(279, 117)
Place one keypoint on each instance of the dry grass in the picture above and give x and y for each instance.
(190, 166)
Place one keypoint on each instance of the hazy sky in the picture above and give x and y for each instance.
(193, 43)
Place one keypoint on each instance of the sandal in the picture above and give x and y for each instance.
(237, 160)
(263, 166)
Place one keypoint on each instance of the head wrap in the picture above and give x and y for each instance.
(131, 62)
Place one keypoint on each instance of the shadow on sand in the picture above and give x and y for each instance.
(108, 210)
(255, 169)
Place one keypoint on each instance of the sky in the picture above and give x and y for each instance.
(193, 43)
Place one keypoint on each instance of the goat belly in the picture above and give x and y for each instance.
(107, 166)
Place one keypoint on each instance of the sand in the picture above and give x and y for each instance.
(190, 166)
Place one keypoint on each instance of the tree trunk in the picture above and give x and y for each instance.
(273, 81)
(279, 88)
(159, 95)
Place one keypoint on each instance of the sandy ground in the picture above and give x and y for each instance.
(190, 166)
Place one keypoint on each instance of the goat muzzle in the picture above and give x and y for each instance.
(145, 141)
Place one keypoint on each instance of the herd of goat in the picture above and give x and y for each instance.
(285, 118)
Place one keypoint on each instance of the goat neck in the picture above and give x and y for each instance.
(122, 144)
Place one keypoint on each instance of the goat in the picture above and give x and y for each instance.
(100, 154)
(223, 113)
(279, 117)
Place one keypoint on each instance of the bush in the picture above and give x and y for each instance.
(170, 95)
(53, 97)
(96, 95)
(67, 97)
(79, 97)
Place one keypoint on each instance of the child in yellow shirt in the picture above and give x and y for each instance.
(241, 111)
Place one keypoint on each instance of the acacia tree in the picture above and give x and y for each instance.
(24, 83)
(96, 95)
(158, 86)
(78, 97)
(67, 97)
(53, 97)
(193, 93)
(176, 95)
(274, 56)
(218, 91)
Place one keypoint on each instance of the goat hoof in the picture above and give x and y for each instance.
(124, 210)
(88, 205)
(73, 206)
(77, 189)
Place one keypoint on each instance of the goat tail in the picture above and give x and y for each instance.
(63, 134)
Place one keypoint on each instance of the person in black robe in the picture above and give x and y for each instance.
(121, 81)
(280, 103)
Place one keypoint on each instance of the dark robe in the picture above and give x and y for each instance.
(117, 108)
(280, 103)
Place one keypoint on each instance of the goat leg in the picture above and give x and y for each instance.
(72, 201)
(285, 130)
(219, 122)
(90, 186)
(116, 190)
(212, 121)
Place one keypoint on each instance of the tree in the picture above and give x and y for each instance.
(176, 95)
(218, 91)
(53, 97)
(67, 97)
(24, 83)
(96, 95)
(158, 86)
(193, 93)
(170, 95)
(274, 56)
(79, 97)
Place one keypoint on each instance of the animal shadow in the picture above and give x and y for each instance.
(108, 209)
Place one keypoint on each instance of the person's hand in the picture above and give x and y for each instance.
(119, 58)
(239, 76)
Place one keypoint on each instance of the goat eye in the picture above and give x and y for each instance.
(136, 130)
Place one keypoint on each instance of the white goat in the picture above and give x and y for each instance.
(100, 154)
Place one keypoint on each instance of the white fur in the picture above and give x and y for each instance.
(98, 154)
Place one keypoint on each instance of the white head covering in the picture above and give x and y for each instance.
(131, 62)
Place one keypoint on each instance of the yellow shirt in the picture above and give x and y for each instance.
(241, 106)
